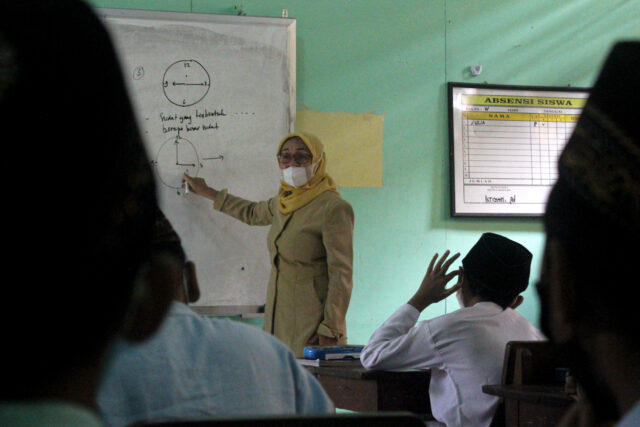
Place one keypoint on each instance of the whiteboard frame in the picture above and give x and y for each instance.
(464, 209)
(248, 311)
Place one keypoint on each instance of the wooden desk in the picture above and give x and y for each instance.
(358, 389)
(531, 405)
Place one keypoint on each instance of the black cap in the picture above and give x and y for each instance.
(498, 265)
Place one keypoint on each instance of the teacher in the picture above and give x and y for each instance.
(310, 245)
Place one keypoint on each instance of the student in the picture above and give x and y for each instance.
(79, 215)
(590, 270)
(463, 349)
(198, 368)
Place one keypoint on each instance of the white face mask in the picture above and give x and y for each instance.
(459, 298)
(297, 176)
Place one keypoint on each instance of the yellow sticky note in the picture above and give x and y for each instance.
(352, 143)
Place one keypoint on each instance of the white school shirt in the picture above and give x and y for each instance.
(196, 367)
(464, 351)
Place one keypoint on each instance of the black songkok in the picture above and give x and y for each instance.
(497, 265)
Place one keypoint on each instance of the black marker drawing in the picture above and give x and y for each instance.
(138, 73)
(186, 82)
(175, 157)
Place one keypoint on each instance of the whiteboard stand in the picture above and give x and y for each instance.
(213, 95)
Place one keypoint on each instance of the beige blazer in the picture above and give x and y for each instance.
(311, 252)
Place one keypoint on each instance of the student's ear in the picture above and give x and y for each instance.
(191, 281)
(152, 296)
(516, 302)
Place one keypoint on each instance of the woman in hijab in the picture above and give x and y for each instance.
(310, 245)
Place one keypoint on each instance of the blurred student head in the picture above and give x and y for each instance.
(592, 224)
(79, 198)
(168, 253)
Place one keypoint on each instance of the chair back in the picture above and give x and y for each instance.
(529, 362)
(526, 362)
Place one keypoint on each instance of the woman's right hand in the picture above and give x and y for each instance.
(199, 187)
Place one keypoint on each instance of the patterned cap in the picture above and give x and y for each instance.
(601, 161)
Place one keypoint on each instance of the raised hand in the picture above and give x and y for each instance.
(433, 287)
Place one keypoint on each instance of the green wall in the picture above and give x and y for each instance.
(395, 57)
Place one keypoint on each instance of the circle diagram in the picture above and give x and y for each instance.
(175, 157)
(186, 82)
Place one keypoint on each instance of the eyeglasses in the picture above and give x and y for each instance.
(300, 158)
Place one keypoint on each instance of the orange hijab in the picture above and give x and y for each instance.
(292, 198)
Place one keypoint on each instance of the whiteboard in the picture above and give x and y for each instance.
(504, 144)
(213, 94)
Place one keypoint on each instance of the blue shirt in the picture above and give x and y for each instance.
(197, 367)
(631, 418)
